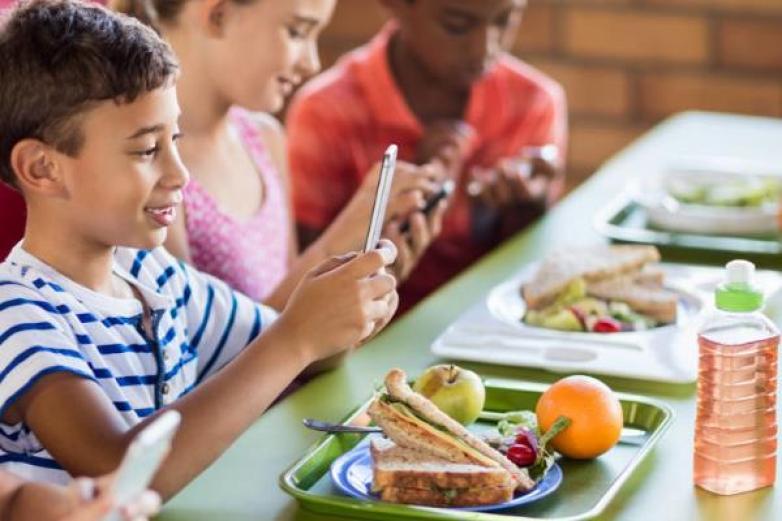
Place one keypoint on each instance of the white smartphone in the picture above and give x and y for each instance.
(384, 183)
(142, 459)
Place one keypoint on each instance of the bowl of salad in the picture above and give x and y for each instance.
(712, 201)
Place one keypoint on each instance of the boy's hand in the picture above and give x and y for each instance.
(514, 181)
(83, 500)
(448, 142)
(342, 302)
(94, 501)
(413, 244)
(412, 184)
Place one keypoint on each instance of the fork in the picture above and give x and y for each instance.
(324, 426)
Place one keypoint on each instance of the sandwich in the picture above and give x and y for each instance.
(616, 286)
(431, 459)
(403, 475)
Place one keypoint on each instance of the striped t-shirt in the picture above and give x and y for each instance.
(48, 324)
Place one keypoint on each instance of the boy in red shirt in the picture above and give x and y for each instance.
(438, 82)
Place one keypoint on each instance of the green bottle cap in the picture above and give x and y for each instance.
(737, 294)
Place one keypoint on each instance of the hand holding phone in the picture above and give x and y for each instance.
(142, 460)
(382, 192)
(443, 193)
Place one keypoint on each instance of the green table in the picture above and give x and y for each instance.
(242, 484)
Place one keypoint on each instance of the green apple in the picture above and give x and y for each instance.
(458, 392)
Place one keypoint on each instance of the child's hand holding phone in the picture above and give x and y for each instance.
(121, 495)
(139, 465)
(94, 501)
(417, 229)
(517, 180)
(340, 303)
(413, 234)
(447, 141)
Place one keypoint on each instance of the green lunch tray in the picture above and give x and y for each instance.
(587, 487)
(624, 220)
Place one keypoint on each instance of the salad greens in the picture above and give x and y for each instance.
(523, 424)
(738, 191)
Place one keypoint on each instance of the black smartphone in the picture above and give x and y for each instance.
(444, 192)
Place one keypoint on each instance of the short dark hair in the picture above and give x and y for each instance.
(58, 58)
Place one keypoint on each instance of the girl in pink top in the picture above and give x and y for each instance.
(228, 247)
(237, 222)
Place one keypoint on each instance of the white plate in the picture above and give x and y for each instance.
(492, 332)
(667, 213)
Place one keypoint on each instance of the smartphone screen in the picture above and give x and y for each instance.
(384, 183)
(142, 459)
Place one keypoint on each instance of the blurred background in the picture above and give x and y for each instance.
(627, 64)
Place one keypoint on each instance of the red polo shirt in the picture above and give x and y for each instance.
(340, 123)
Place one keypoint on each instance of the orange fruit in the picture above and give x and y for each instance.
(594, 411)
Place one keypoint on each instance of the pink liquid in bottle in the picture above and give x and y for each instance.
(735, 425)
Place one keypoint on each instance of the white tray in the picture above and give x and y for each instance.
(492, 332)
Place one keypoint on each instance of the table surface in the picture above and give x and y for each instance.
(242, 484)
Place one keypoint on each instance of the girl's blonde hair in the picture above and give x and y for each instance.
(154, 12)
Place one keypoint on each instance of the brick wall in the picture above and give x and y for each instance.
(626, 64)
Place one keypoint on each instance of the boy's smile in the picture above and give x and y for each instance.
(124, 185)
(163, 215)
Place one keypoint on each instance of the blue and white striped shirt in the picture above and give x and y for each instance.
(49, 324)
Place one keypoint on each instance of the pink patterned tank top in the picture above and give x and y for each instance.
(252, 255)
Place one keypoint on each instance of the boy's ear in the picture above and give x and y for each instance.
(213, 15)
(37, 168)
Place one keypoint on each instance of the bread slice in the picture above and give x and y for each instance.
(651, 276)
(593, 264)
(655, 302)
(447, 497)
(402, 475)
(400, 467)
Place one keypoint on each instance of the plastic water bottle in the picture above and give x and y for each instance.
(736, 424)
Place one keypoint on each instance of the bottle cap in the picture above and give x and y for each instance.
(738, 294)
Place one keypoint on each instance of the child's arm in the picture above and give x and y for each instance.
(336, 307)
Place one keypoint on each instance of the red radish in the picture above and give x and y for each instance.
(607, 325)
(521, 455)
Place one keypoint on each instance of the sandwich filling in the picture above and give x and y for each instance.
(403, 413)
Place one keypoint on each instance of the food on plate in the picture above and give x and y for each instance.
(519, 437)
(722, 190)
(601, 289)
(431, 443)
(594, 412)
(457, 392)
